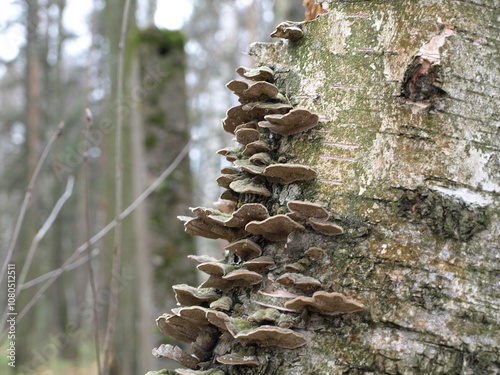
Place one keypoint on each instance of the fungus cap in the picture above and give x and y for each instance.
(242, 216)
(187, 295)
(325, 303)
(275, 228)
(247, 135)
(249, 186)
(261, 159)
(256, 147)
(262, 73)
(302, 282)
(260, 264)
(288, 173)
(237, 360)
(273, 336)
(296, 121)
(176, 354)
(326, 228)
(249, 277)
(315, 253)
(287, 30)
(245, 249)
(303, 210)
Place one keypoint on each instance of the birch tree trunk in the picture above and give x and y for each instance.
(414, 181)
(406, 153)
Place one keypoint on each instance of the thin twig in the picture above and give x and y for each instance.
(113, 299)
(99, 236)
(27, 197)
(88, 118)
(41, 233)
(46, 226)
(48, 275)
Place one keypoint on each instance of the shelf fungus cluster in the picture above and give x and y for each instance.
(254, 298)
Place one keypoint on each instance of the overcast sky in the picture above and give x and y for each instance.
(170, 15)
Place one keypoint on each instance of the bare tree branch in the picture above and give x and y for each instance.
(27, 197)
(79, 251)
(113, 303)
(48, 275)
(46, 226)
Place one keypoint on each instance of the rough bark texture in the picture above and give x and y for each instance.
(406, 153)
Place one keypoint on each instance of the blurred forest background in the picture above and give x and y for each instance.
(59, 57)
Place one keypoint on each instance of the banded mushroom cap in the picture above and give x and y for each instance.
(187, 295)
(275, 228)
(245, 249)
(205, 227)
(238, 360)
(260, 158)
(248, 277)
(269, 315)
(247, 125)
(288, 173)
(176, 354)
(247, 135)
(185, 371)
(249, 186)
(272, 336)
(223, 303)
(248, 166)
(230, 170)
(262, 73)
(259, 91)
(215, 268)
(236, 116)
(246, 213)
(305, 283)
(287, 30)
(302, 211)
(258, 110)
(256, 147)
(260, 264)
(194, 314)
(178, 328)
(230, 195)
(296, 121)
(326, 228)
(315, 253)
(325, 303)
(202, 258)
(225, 180)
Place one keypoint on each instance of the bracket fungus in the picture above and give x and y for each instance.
(304, 283)
(272, 336)
(241, 217)
(223, 303)
(225, 206)
(256, 147)
(288, 173)
(202, 258)
(187, 295)
(178, 328)
(208, 228)
(296, 121)
(245, 249)
(237, 360)
(315, 253)
(259, 91)
(225, 180)
(302, 211)
(262, 73)
(248, 277)
(261, 158)
(176, 354)
(260, 264)
(214, 268)
(325, 303)
(248, 166)
(326, 228)
(275, 228)
(247, 135)
(249, 186)
(287, 30)
(269, 315)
